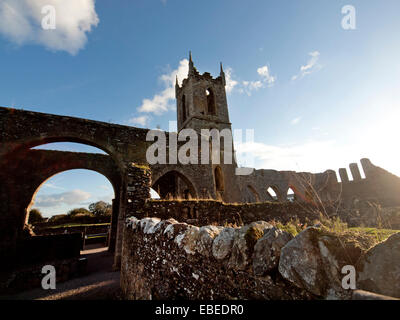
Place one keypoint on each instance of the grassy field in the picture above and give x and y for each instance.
(71, 225)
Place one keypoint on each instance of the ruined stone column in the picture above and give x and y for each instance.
(134, 193)
(114, 224)
(355, 172)
(367, 166)
(343, 175)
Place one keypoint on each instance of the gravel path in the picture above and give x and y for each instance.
(101, 283)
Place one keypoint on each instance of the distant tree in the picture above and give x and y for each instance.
(79, 211)
(58, 217)
(101, 208)
(35, 216)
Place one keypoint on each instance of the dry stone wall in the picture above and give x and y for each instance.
(165, 259)
(203, 212)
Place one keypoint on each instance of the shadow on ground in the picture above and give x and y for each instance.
(100, 282)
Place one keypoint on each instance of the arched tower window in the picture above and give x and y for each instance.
(184, 112)
(219, 179)
(210, 102)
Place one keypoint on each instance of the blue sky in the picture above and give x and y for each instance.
(317, 96)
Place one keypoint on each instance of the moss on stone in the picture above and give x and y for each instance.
(252, 235)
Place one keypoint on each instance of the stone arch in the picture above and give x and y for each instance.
(37, 166)
(174, 183)
(114, 184)
(211, 106)
(27, 144)
(254, 193)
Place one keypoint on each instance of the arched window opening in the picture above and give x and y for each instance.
(174, 185)
(271, 194)
(184, 111)
(219, 179)
(291, 196)
(210, 102)
(154, 194)
(254, 196)
(74, 201)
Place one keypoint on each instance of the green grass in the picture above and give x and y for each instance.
(96, 237)
(380, 234)
(71, 225)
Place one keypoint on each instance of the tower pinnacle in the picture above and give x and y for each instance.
(191, 65)
(222, 74)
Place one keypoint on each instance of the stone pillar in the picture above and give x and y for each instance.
(343, 175)
(114, 224)
(135, 191)
(332, 177)
(355, 172)
(367, 166)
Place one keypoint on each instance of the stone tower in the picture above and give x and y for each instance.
(201, 101)
(202, 104)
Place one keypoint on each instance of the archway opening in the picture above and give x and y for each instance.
(210, 102)
(74, 201)
(219, 179)
(184, 111)
(154, 194)
(272, 194)
(174, 185)
(291, 195)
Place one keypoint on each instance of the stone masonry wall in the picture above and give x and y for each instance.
(166, 259)
(171, 260)
(203, 212)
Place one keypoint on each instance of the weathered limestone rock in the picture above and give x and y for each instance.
(148, 224)
(162, 225)
(381, 268)
(206, 238)
(300, 262)
(222, 245)
(174, 229)
(243, 244)
(197, 240)
(314, 259)
(190, 240)
(268, 250)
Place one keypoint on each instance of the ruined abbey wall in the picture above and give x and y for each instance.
(204, 212)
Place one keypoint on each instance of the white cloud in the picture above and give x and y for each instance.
(21, 22)
(311, 66)
(142, 120)
(252, 85)
(312, 156)
(248, 87)
(230, 83)
(162, 102)
(106, 198)
(295, 120)
(69, 198)
(264, 72)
